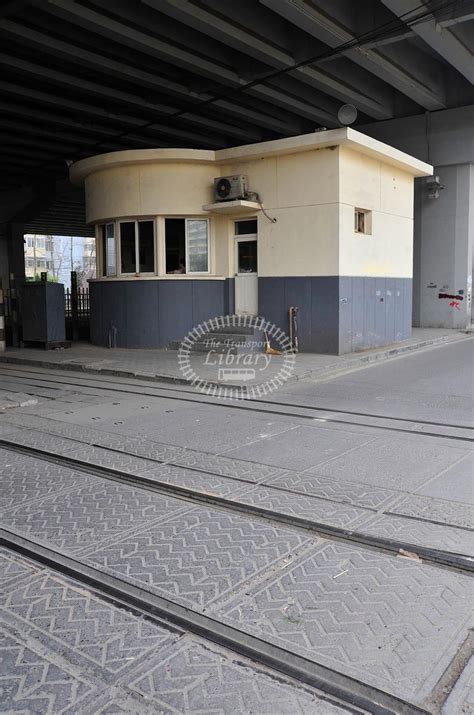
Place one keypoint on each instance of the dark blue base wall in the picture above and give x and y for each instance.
(151, 314)
(340, 314)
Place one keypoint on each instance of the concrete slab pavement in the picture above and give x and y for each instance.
(395, 623)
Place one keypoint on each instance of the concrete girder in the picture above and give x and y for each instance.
(124, 34)
(11, 7)
(26, 129)
(102, 91)
(459, 13)
(25, 159)
(376, 104)
(112, 67)
(121, 33)
(291, 103)
(19, 111)
(402, 75)
(84, 108)
(439, 38)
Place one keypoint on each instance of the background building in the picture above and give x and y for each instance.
(58, 256)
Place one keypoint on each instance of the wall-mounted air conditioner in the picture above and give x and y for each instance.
(230, 188)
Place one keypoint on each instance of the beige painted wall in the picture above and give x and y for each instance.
(367, 183)
(306, 179)
(312, 195)
(300, 191)
(388, 251)
(303, 242)
(174, 188)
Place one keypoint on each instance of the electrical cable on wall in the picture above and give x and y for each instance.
(259, 201)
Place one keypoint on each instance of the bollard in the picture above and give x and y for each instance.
(2, 320)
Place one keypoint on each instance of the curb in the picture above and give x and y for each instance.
(323, 374)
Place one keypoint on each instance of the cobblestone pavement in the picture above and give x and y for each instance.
(394, 623)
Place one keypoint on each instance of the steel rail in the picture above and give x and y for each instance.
(245, 406)
(140, 380)
(439, 557)
(328, 680)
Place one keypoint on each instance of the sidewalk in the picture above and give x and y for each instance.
(162, 365)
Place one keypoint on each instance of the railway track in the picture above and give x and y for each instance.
(303, 412)
(356, 696)
(456, 561)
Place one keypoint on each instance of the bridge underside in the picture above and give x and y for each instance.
(81, 77)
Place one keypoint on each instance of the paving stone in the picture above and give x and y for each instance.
(47, 407)
(300, 505)
(397, 463)
(198, 679)
(120, 461)
(447, 512)
(198, 556)
(67, 618)
(219, 429)
(14, 569)
(32, 682)
(126, 663)
(44, 441)
(300, 448)
(226, 467)
(6, 428)
(27, 420)
(89, 515)
(455, 483)
(27, 479)
(388, 621)
(327, 487)
(138, 446)
(201, 482)
(417, 532)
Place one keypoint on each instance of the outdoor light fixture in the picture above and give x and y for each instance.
(433, 186)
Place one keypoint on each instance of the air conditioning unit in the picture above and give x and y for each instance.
(229, 188)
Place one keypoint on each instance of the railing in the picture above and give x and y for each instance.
(83, 304)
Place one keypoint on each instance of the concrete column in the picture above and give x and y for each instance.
(443, 261)
(443, 227)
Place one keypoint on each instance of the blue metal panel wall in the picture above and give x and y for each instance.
(150, 314)
(337, 314)
(318, 301)
(340, 314)
(373, 312)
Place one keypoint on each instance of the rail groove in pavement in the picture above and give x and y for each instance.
(332, 682)
(245, 405)
(459, 562)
